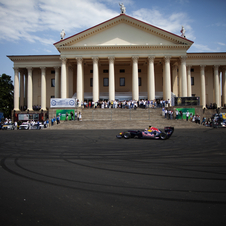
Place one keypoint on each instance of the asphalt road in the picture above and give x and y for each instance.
(55, 177)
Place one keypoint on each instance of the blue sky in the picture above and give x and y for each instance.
(30, 27)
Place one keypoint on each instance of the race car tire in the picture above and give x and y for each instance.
(163, 136)
(127, 135)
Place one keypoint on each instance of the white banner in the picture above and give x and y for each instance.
(60, 102)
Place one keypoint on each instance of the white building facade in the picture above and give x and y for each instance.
(120, 58)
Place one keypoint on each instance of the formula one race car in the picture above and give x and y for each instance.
(150, 133)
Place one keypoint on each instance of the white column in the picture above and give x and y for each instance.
(63, 78)
(167, 79)
(189, 80)
(25, 93)
(180, 83)
(216, 85)
(203, 86)
(79, 80)
(135, 84)
(111, 78)
(22, 89)
(57, 82)
(224, 86)
(16, 89)
(83, 80)
(174, 80)
(219, 88)
(95, 79)
(151, 78)
(183, 77)
(29, 90)
(43, 88)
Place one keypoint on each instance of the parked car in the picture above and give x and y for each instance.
(8, 126)
(24, 126)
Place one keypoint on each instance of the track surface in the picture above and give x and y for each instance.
(91, 178)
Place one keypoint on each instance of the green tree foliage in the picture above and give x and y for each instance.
(6, 95)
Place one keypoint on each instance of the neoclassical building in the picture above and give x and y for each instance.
(122, 58)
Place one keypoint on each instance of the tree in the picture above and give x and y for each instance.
(6, 95)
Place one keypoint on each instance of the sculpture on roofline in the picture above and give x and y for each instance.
(62, 34)
(123, 8)
(183, 32)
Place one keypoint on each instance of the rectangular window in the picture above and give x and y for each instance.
(139, 70)
(192, 81)
(122, 82)
(105, 80)
(52, 96)
(139, 80)
(53, 72)
(91, 82)
(122, 71)
(53, 82)
(91, 71)
(105, 71)
(192, 70)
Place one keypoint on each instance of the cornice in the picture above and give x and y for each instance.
(34, 58)
(123, 47)
(206, 55)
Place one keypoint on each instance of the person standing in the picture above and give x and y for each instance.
(80, 116)
(177, 114)
(187, 115)
(15, 123)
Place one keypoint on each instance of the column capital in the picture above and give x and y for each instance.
(29, 68)
(111, 59)
(135, 59)
(151, 58)
(167, 58)
(16, 69)
(188, 66)
(202, 66)
(95, 59)
(43, 69)
(183, 59)
(63, 59)
(79, 59)
(216, 67)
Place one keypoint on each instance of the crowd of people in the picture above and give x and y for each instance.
(125, 104)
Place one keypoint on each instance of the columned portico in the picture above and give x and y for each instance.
(167, 79)
(135, 85)
(203, 86)
(151, 78)
(16, 89)
(95, 79)
(63, 78)
(79, 80)
(29, 90)
(111, 78)
(43, 88)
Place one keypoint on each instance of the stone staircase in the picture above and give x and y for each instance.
(119, 114)
(123, 119)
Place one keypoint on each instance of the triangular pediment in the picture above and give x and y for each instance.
(123, 30)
